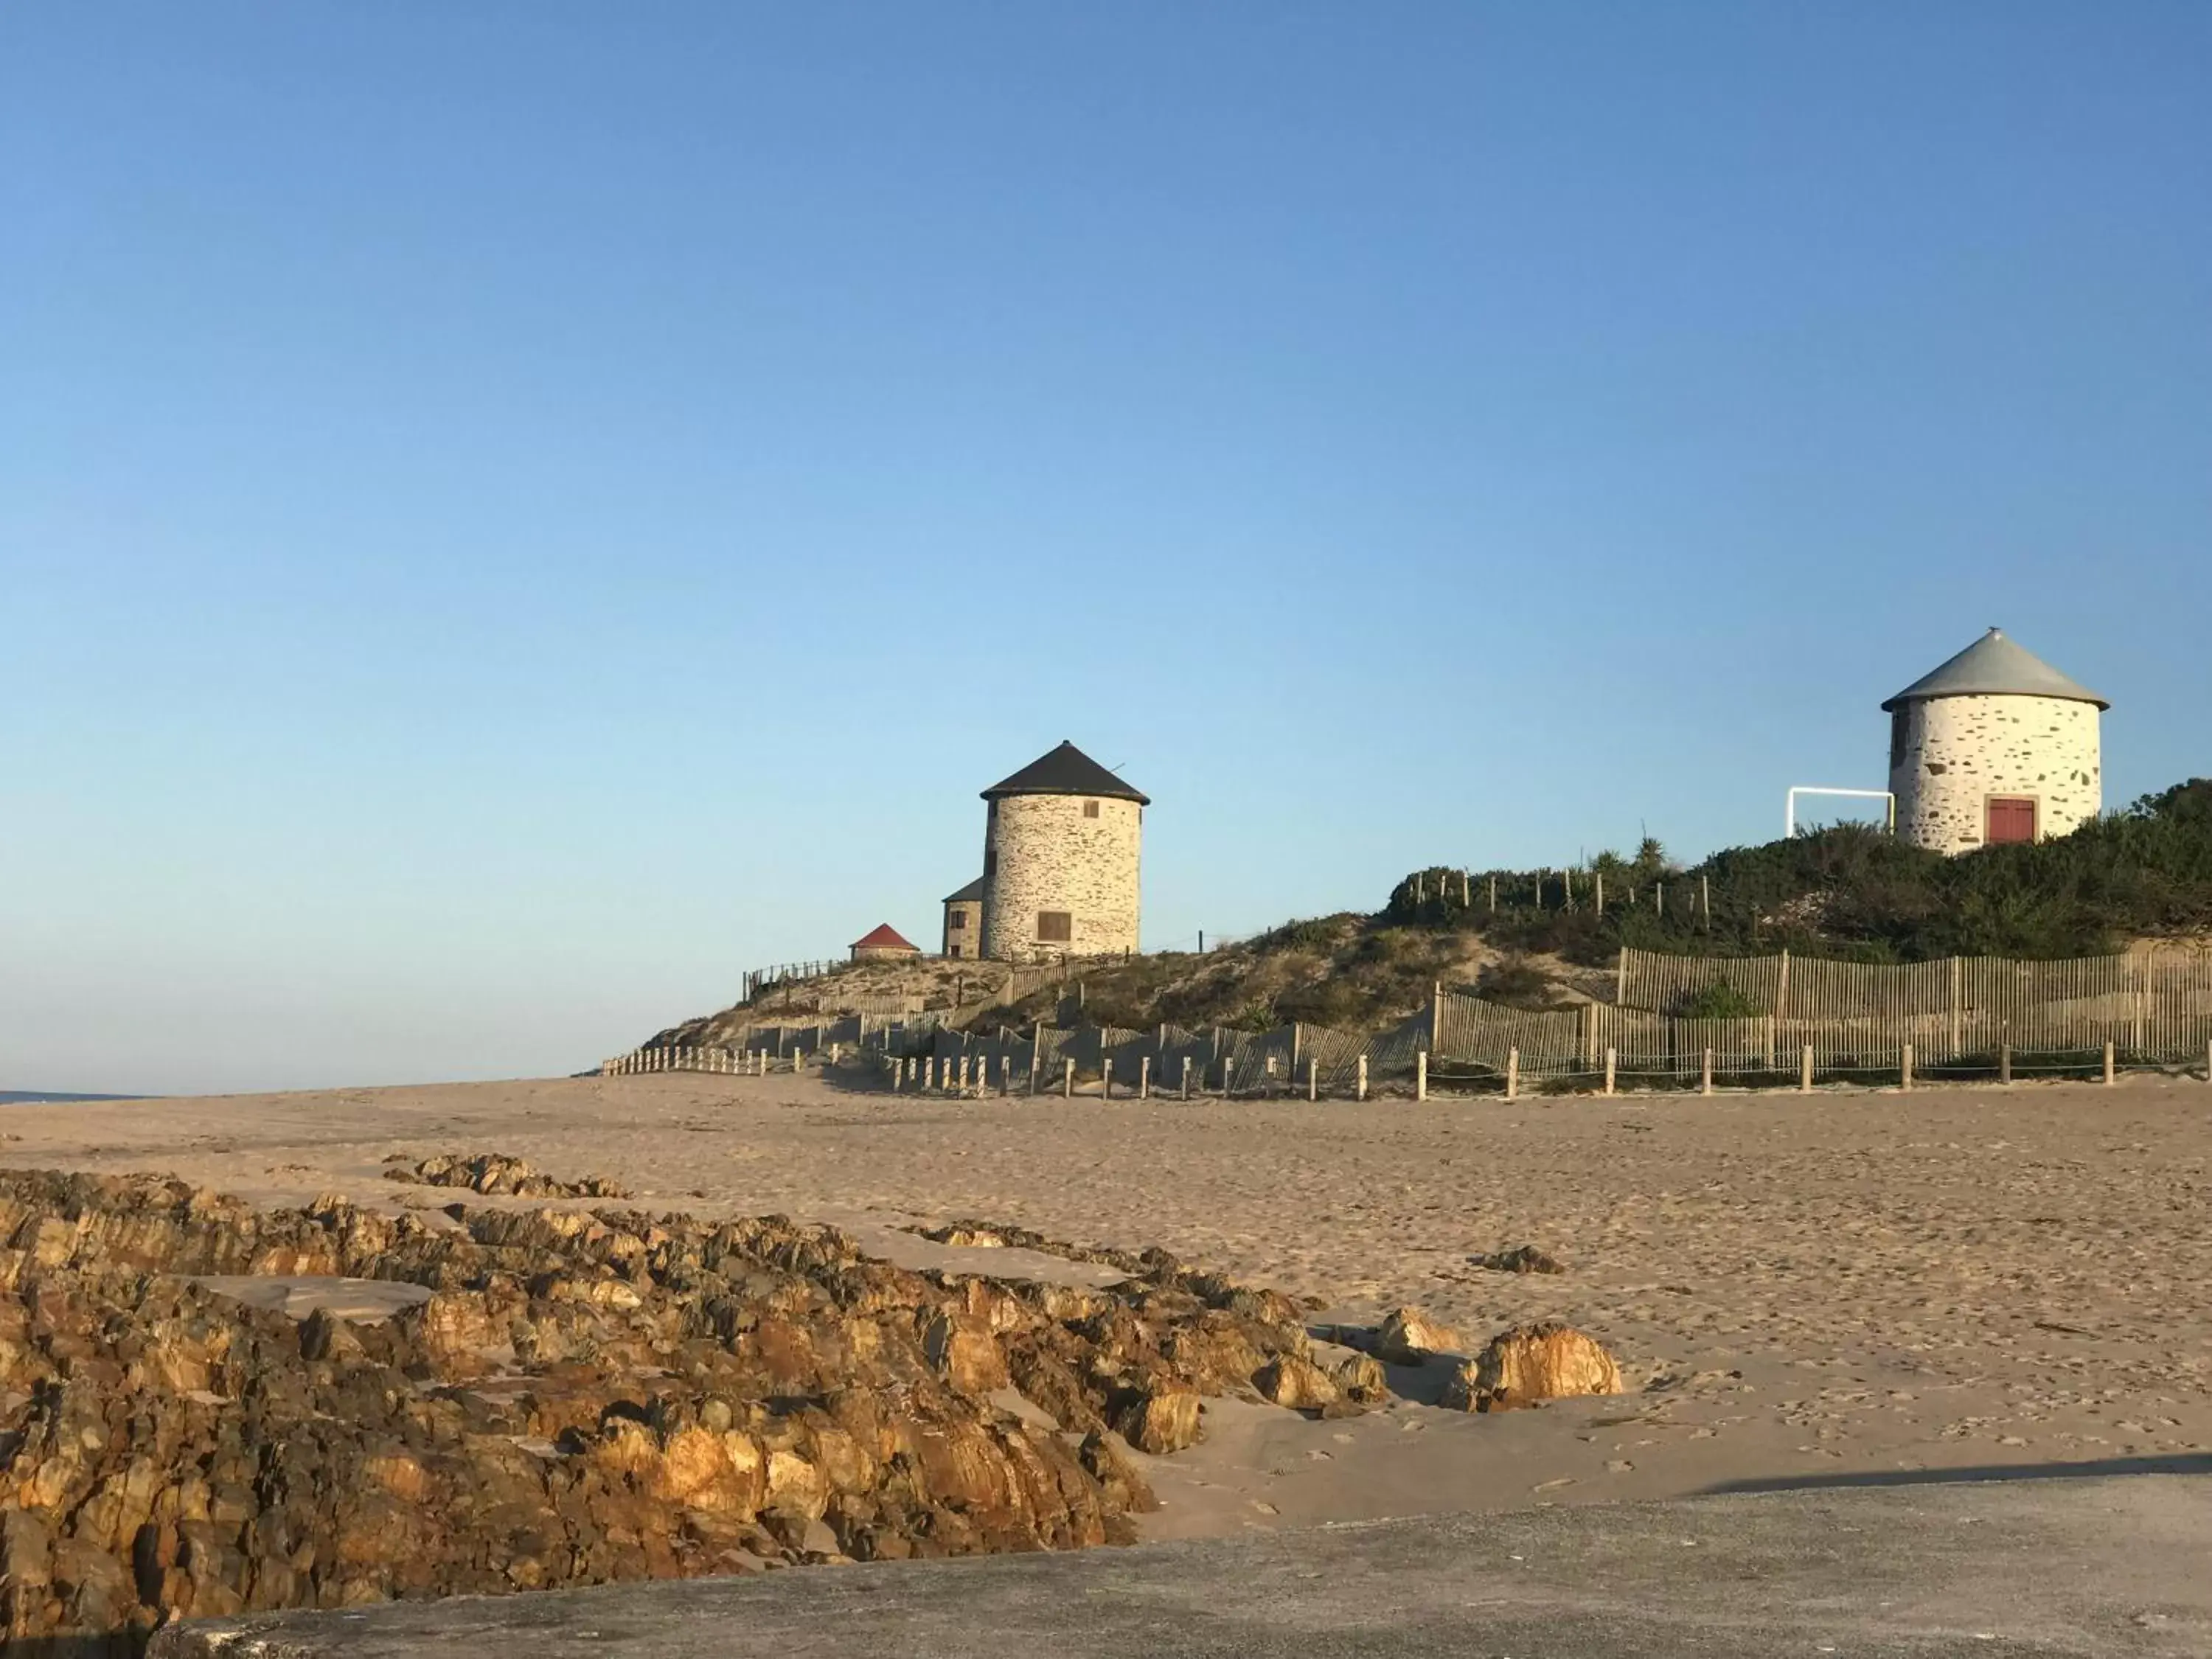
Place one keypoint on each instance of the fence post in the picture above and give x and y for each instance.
(1313, 1078)
(1612, 1067)
(898, 1071)
(1705, 1080)
(2109, 1069)
(1770, 1043)
(2004, 1062)
(1780, 984)
(1421, 1074)
(1186, 1077)
(1106, 1077)
(1589, 1033)
(1437, 1015)
(1145, 1078)
(1904, 1069)
(1620, 980)
(1363, 1077)
(1958, 1006)
(1512, 1073)
(1068, 1081)
(1805, 1070)
(1268, 1088)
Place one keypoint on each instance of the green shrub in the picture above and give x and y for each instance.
(1719, 1001)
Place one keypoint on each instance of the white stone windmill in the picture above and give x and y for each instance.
(1995, 745)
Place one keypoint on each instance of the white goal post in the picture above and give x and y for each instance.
(1789, 810)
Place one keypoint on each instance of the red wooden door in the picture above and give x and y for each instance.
(2012, 817)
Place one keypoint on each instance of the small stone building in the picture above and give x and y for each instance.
(963, 920)
(1995, 745)
(1062, 850)
(885, 943)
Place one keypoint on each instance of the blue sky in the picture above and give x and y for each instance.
(513, 514)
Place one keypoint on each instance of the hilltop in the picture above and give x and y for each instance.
(1848, 892)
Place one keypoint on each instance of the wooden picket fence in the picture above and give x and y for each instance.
(1968, 1016)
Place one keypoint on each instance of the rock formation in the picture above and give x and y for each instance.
(1531, 1362)
(1522, 1259)
(1408, 1337)
(583, 1397)
(494, 1173)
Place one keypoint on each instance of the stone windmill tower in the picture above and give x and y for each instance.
(1061, 857)
(1993, 746)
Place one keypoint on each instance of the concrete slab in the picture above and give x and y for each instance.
(2109, 1566)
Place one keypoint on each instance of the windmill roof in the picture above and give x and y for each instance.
(1993, 667)
(1066, 770)
(885, 938)
(971, 894)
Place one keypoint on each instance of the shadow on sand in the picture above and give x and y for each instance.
(2183, 1463)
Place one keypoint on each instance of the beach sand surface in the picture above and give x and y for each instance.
(1847, 1286)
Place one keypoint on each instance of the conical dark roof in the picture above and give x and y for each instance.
(1066, 770)
(1993, 667)
(971, 894)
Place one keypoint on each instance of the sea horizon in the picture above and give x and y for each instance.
(52, 1097)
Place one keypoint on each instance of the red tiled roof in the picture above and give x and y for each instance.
(886, 938)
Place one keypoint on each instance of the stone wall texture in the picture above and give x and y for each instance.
(1960, 751)
(967, 939)
(1043, 854)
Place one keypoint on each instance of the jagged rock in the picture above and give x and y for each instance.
(1160, 1419)
(494, 1173)
(1299, 1384)
(1408, 1337)
(569, 1398)
(1122, 1485)
(1530, 1362)
(964, 1351)
(1522, 1259)
(1361, 1377)
(973, 1239)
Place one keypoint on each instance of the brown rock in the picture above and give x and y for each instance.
(964, 1351)
(1299, 1384)
(1522, 1259)
(583, 1397)
(1361, 1377)
(1158, 1420)
(1123, 1485)
(1409, 1336)
(1531, 1362)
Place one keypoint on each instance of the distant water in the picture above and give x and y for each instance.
(29, 1097)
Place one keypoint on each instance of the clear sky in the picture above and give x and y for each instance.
(513, 513)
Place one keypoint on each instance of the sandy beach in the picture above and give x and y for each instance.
(1845, 1286)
